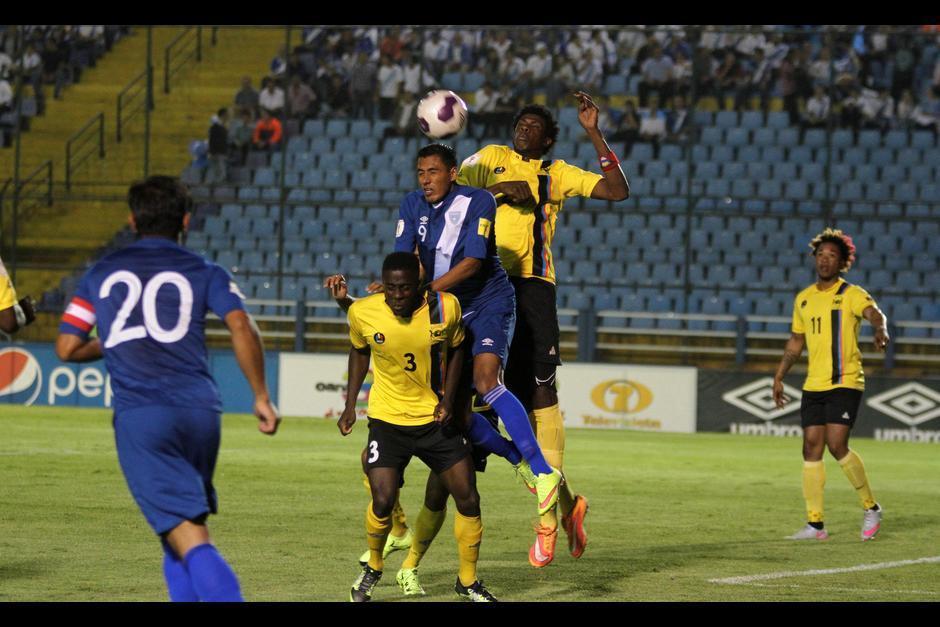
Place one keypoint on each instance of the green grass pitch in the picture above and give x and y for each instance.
(669, 513)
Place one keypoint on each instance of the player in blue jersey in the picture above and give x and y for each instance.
(149, 302)
(450, 227)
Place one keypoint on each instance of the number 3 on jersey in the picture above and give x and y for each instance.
(121, 333)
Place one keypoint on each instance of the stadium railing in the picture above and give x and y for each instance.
(80, 146)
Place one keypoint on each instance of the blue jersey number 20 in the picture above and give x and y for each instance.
(121, 333)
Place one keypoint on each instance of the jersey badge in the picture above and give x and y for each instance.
(803, 304)
(453, 216)
(379, 338)
(499, 170)
(483, 228)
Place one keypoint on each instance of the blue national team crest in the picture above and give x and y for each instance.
(379, 338)
(454, 216)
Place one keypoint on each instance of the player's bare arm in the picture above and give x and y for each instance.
(465, 269)
(249, 352)
(336, 283)
(791, 354)
(514, 192)
(358, 368)
(21, 314)
(75, 349)
(614, 185)
(879, 323)
(445, 409)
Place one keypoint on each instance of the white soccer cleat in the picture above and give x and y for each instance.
(809, 532)
(871, 523)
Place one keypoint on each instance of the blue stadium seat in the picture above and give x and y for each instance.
(670, 153)
(749, 154)
(734, 170)
(752, 119)
(742, 188)
(885, 156)
(869, 138)
(336, 127)
(757, 170)
(765, 136)
(814, 138)
(788, 137)
(726, 119)
(706, 170)
(712, 135)
(842, 138)
(895, 139)
(736, 137)
(778, 119)
(801, 155)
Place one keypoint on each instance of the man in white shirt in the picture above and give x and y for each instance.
(390, 78)
(272, 98)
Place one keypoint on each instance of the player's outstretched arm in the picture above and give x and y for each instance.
(879, 322)
(614, 185)
(76, 349)
(791, 353)
(249, 352)
(358, 368)
(336, 283)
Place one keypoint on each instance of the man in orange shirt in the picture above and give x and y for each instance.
(268, 132)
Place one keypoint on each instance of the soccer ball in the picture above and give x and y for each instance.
(442, 114)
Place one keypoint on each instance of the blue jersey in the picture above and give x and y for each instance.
(150, 302)
(459, 226)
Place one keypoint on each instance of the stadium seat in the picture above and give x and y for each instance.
(895, 139)
(726, 119)
(869, 139)
(842, 138)
(814, 138)
(778, 119)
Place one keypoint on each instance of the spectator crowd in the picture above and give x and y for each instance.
(882, 77)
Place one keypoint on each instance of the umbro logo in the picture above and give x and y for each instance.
(911, 403)
(552, 351)
(423, 220)
(757, 399)
(487, 342)
(845, 416)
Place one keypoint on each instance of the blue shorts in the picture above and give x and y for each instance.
(168, 457)
(489, 328)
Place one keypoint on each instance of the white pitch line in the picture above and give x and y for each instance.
(825, 571)
(841, 589)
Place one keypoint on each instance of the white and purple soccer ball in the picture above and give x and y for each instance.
(442, 114)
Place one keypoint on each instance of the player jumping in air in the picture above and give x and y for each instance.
(533, 190)
(414, 338)
(150, 302)
(826, 318)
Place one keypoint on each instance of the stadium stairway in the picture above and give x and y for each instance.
(56, 240)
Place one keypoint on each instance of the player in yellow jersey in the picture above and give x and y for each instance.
(531, 190)
(14, 314)
(826, 319)
(413, 338)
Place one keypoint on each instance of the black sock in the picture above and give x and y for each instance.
(816, 525)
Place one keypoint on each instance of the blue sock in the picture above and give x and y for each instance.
(178, 583)
(212, 577)
(484, 436)
(516, 420)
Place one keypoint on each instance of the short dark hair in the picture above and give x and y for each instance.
(402, 261)
(159, 204)
(447, 154)
(551, 126)
(222, 112)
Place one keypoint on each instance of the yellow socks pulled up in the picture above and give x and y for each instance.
(376, 533)
(427, 524)
(469, 532)
(814, 480)
(854, 469)
(549, 429)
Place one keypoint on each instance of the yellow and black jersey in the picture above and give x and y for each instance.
(524, 234)
(7, 293)
(408, 354)
(830, 319)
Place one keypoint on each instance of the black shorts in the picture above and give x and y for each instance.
(393, 446)
(836, 406)
(536, 336)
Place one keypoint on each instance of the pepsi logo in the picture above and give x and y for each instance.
(20, 377)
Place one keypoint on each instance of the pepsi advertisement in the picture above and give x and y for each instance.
(31, 374)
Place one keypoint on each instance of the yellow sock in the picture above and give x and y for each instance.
(376, 533)
(854, 469)
(469, 532)
(399, 520)
(399, 526)
(550, 433)
(814, 480)
(427, 524)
